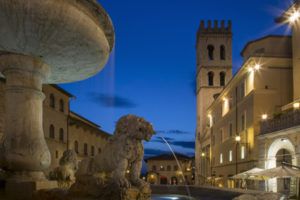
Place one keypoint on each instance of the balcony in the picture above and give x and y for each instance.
(281, 122)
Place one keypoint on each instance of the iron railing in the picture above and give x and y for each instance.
(280, 122)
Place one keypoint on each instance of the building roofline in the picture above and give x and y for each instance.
(85, 119)
(62, 90)
(169, 157)
(262, 38)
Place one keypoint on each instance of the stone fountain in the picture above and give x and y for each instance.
(43, 41)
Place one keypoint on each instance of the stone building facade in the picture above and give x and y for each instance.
(63, 129)
(164, 169)
(254, 121)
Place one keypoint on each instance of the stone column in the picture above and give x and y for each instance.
(26, 151)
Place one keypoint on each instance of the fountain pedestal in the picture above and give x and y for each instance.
(25, 149)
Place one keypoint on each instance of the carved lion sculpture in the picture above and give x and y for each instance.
(68, 166)
(121, 158)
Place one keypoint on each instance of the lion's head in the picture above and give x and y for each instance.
(134, 126)
(69, 158)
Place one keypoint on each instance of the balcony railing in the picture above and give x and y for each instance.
(283, 121)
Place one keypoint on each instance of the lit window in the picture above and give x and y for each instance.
(221, 158)
(242, 152)
(230, 156)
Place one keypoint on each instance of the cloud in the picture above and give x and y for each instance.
(184, 144)
(172, 131)
(160, 140)
(154, 152)
(112, 101)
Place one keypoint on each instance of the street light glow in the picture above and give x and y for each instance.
(257, 67)
(264, 116)
(250, 69)
(296, 105)
(237, 138)
(294, 16)
(202, 154)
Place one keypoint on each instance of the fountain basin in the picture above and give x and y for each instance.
(73, 37)
(171, 197)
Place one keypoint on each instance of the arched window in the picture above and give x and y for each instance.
(210, 51)
(92, 150)
(61, 134)
(76, 146)
(51, 131)
(85, 149)
(52, 101)
(210, 78)
(222, 52)
(222, 78)
(61, 105)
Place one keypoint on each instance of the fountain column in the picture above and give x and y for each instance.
(26, 151)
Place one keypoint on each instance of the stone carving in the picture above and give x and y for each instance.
(115, 173)
(65, 173)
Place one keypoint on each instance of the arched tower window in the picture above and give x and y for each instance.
(52, 101)
(61, 134)
(76, 146)
(222, 52)
(61, 105)
(210, 78)
(51, 131)
(210, 51)
(222, 78)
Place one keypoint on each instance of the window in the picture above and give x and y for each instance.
(210, 78)
(52, 101)
(230, 129)
(168, 168)
(221, 158)
(56, 154)
(242, 152)
(222, 52)
(222, 78)
(85, 149)
(242, 89)
(61, 135)
(51, 131)
(210, 51)
(243, 122)
(76, 147)
(99, 150)
(153, 168)
(175, 167)
(230, 156)
(92, 150)
(61, 105)
(221, 135)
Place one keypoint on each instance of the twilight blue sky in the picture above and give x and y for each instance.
(152, 68)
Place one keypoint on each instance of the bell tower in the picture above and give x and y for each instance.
(214, 71)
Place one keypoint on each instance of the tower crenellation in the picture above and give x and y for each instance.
(216, 28)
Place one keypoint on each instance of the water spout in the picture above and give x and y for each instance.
(187, 187)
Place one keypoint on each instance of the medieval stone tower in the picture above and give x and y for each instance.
(214, 71)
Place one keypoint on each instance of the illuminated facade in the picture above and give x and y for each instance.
(255, 120)
(163, 169)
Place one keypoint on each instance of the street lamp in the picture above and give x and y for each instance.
(237, 139)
